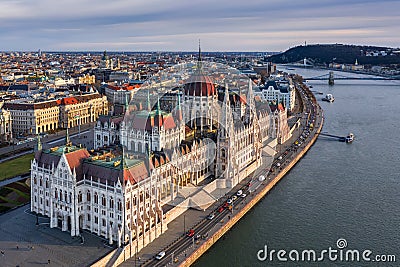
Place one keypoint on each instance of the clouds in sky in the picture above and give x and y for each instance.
(176, 25)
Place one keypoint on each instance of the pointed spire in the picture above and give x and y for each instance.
(250, 103)
(199, 65)
(126, 103)
(39, 144)
(199, 58)
(226, 96)
(226, 115)
(158, 111)
(180, 116)
(148, 100)
(67, 140)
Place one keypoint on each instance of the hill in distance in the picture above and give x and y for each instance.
(323, 54)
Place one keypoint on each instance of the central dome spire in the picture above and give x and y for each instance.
(199, 58)
(199, 84)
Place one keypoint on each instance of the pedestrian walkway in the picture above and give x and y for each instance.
(23, 243)
(11, 180)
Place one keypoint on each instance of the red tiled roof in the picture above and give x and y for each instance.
(136, 173)
(199, 85)
(75, 159)
(69, 100)
(279, 107)
(169, 123)
(147, 123)
(233, 98)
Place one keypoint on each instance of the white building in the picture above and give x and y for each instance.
(34, 117)
(119, 192)
(106, 131)
(120, 76)
(120, 94)
(281, 91)
(5, 125)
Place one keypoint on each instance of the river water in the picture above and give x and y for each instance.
(338, 190)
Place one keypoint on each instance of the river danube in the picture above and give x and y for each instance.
(337, 191)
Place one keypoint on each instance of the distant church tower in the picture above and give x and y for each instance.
(105, 61)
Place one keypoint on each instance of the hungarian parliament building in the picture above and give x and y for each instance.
(167, 154)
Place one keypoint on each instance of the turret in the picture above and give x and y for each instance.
(249, 116)
(38, 146)
(67, 140)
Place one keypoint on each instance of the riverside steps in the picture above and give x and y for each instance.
(181, 250)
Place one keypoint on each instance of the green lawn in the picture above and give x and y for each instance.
(15, 167)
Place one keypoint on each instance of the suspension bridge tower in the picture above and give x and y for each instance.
(331, 79)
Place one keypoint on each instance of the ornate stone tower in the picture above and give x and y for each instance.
(226, 167)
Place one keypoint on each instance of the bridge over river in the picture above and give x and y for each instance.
(331, 77)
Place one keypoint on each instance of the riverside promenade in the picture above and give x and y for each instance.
(181, 250)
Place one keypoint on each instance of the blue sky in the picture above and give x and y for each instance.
(165, 25)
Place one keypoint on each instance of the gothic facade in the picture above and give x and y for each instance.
(122, 192)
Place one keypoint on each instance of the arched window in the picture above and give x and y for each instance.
(34, 179)
(103, 200)
(79, 197)
(56, 194)
(88, 196)
(111, 203)
(139, 147)
(47, 183)
(40, 182)
(96, 198)
(61, 195)
(119, 205)
(128, 204)
(133, 145)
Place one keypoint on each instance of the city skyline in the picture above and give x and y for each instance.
(176, 26)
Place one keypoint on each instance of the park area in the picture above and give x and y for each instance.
(15, 193)
(15, 167)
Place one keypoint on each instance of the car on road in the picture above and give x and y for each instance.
(261, 178)
(190, 233)
(278, 164)
(221, 209)
(280, 157)
(240, 192)
(243, 195)
(234, 198)
(160, 255)
(211, 216)
(229, 201)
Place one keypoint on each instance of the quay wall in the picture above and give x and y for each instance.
(230, 223)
